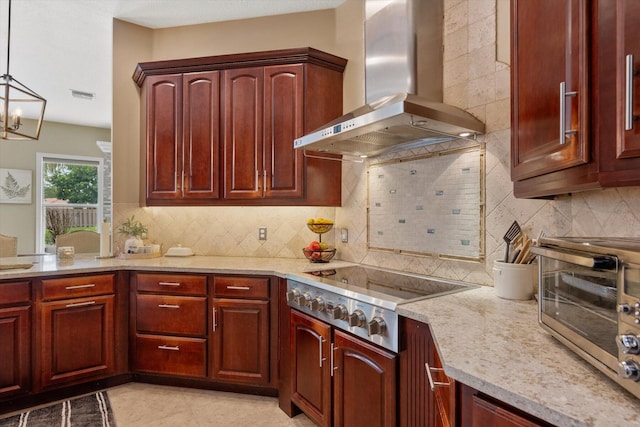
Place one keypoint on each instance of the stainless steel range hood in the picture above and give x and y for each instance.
(403, 74)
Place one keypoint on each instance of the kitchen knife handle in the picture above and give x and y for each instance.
(628, 94)
(563, 114)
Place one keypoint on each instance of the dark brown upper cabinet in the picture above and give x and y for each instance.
(219, 130)
(574, 120)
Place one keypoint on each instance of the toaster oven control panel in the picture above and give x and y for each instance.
(628, 338)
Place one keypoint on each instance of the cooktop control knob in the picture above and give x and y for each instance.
(625, 308)
(303, 299)
(377, 326)
(317, 304)
(629, 344)
(292, 294)
(629, 369)
(357, 318)
(339, 312)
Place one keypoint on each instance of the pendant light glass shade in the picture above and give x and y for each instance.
(21, 109)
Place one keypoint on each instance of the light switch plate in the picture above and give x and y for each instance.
(344, 235)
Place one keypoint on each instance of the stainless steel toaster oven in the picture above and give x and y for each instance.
(589, 299)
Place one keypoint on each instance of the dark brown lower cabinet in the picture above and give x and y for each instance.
(478, 410)
(364, 383)
(171, 355)
(77, 340)
(15, 350)
(423, 401)
(241, 340)
(354, 386)
(310, 367)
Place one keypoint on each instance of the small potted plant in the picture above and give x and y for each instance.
(135, 230)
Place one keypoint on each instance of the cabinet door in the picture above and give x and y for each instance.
(443, 392)
(241, 341)
(549, 122)
(310, 367)
(283, 122)
(364, 383)
(164, 137)
(15, 350)
(628, 64)
(77, 339)
(244, 174)
(201, 135)
(486, 413)
(617, 92)
(416, 402)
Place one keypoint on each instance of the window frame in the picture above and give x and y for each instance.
(41, 158)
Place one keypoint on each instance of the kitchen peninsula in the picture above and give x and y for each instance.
(494, 346)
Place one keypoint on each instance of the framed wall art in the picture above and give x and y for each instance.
(15, 186)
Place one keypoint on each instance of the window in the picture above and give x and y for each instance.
(69, 190)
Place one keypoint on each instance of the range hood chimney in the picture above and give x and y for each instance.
(403, 85)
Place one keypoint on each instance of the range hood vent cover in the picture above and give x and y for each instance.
(404, 79)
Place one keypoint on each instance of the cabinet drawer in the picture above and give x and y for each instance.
(241, 287)
(75, 287)
(171, 314)
(171, 355)
(15, 292)
(172, 284)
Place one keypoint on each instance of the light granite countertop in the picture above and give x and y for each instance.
(497, 346)
(491, 344)
(46, 265)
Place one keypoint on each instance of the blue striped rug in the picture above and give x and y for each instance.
(91, 411)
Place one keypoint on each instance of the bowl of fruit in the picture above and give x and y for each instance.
(318, 252)
(319, 225)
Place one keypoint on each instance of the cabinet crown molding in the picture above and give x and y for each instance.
(238, 60)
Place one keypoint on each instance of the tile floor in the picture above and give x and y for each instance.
(140, 405)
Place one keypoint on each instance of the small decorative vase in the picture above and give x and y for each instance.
(132, 245)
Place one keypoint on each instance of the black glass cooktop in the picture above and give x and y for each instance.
(398, 284)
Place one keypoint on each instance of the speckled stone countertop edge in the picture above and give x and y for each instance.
(497, 347)
(47, 265)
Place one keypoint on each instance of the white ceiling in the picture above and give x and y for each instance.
(59, 45)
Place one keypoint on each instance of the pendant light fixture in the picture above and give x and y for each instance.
(17, 103)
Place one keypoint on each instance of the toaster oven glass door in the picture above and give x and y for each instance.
(577, 301)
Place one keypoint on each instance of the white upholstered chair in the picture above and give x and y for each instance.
(83, 241)
(8, 246)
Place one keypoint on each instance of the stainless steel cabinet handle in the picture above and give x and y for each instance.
(563, 104)
(169, 283)
(168, 347)
(433, 384)
(239, 288)
(214, 320)
(333, 368)
(320, 342)
(628, 94)
(264, 180)
(168, 306)
(88, 285)
(81, 304)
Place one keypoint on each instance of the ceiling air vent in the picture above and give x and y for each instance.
(82, 95)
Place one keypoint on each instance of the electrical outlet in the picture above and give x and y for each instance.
(344, 235)
(262, 233)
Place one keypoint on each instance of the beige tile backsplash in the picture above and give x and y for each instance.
(474, 81)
